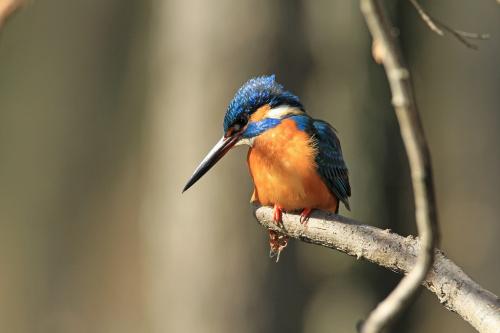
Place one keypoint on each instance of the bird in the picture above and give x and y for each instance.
(294, 160)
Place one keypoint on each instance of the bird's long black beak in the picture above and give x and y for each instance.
(218, 151)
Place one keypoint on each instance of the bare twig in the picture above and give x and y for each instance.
(454, 289)
(438, 27)
(420, 166)
(463, 35)
(472, 35)
(7, 8)
(426, 18)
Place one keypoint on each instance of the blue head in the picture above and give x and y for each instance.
(260, 104)
(256, 93)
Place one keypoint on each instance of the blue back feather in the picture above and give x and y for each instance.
(329, 160)
(330, 163)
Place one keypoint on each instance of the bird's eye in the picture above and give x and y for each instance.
(240, 122)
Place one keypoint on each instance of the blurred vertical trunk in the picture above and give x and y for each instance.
(202, 275)
(69, 246)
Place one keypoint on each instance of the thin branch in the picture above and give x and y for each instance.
(463, 35)
(472, 35)
(7, 8)
(420, 166)
(453, 288)
(426, 18)
(438, 27)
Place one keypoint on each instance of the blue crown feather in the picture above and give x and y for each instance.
(255, 93)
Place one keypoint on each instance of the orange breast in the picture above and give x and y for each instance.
(283, 170)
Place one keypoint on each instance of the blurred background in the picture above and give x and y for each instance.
(106, 108)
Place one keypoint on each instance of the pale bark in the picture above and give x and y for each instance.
(419, 160)
(453, 288)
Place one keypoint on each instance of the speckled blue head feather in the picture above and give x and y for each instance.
(255, 93)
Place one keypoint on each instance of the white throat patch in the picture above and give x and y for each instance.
(246, 141)
(281, 111)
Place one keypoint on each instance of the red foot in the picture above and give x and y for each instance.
(304, 215)
(278, 213)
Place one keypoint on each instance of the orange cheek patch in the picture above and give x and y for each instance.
(260, 113)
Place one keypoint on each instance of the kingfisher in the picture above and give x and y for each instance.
(295, 161)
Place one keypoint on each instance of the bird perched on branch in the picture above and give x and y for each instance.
(295, 161)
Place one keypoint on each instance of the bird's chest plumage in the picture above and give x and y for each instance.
(283, 168)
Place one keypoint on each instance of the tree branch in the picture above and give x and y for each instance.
(426, 18)
(438, 27)
(453, 288)
(7, 8)
(420, 165)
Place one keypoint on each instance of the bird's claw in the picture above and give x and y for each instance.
(304, 215)
(278, 215)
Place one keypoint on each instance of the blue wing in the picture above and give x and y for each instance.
(330, 163)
